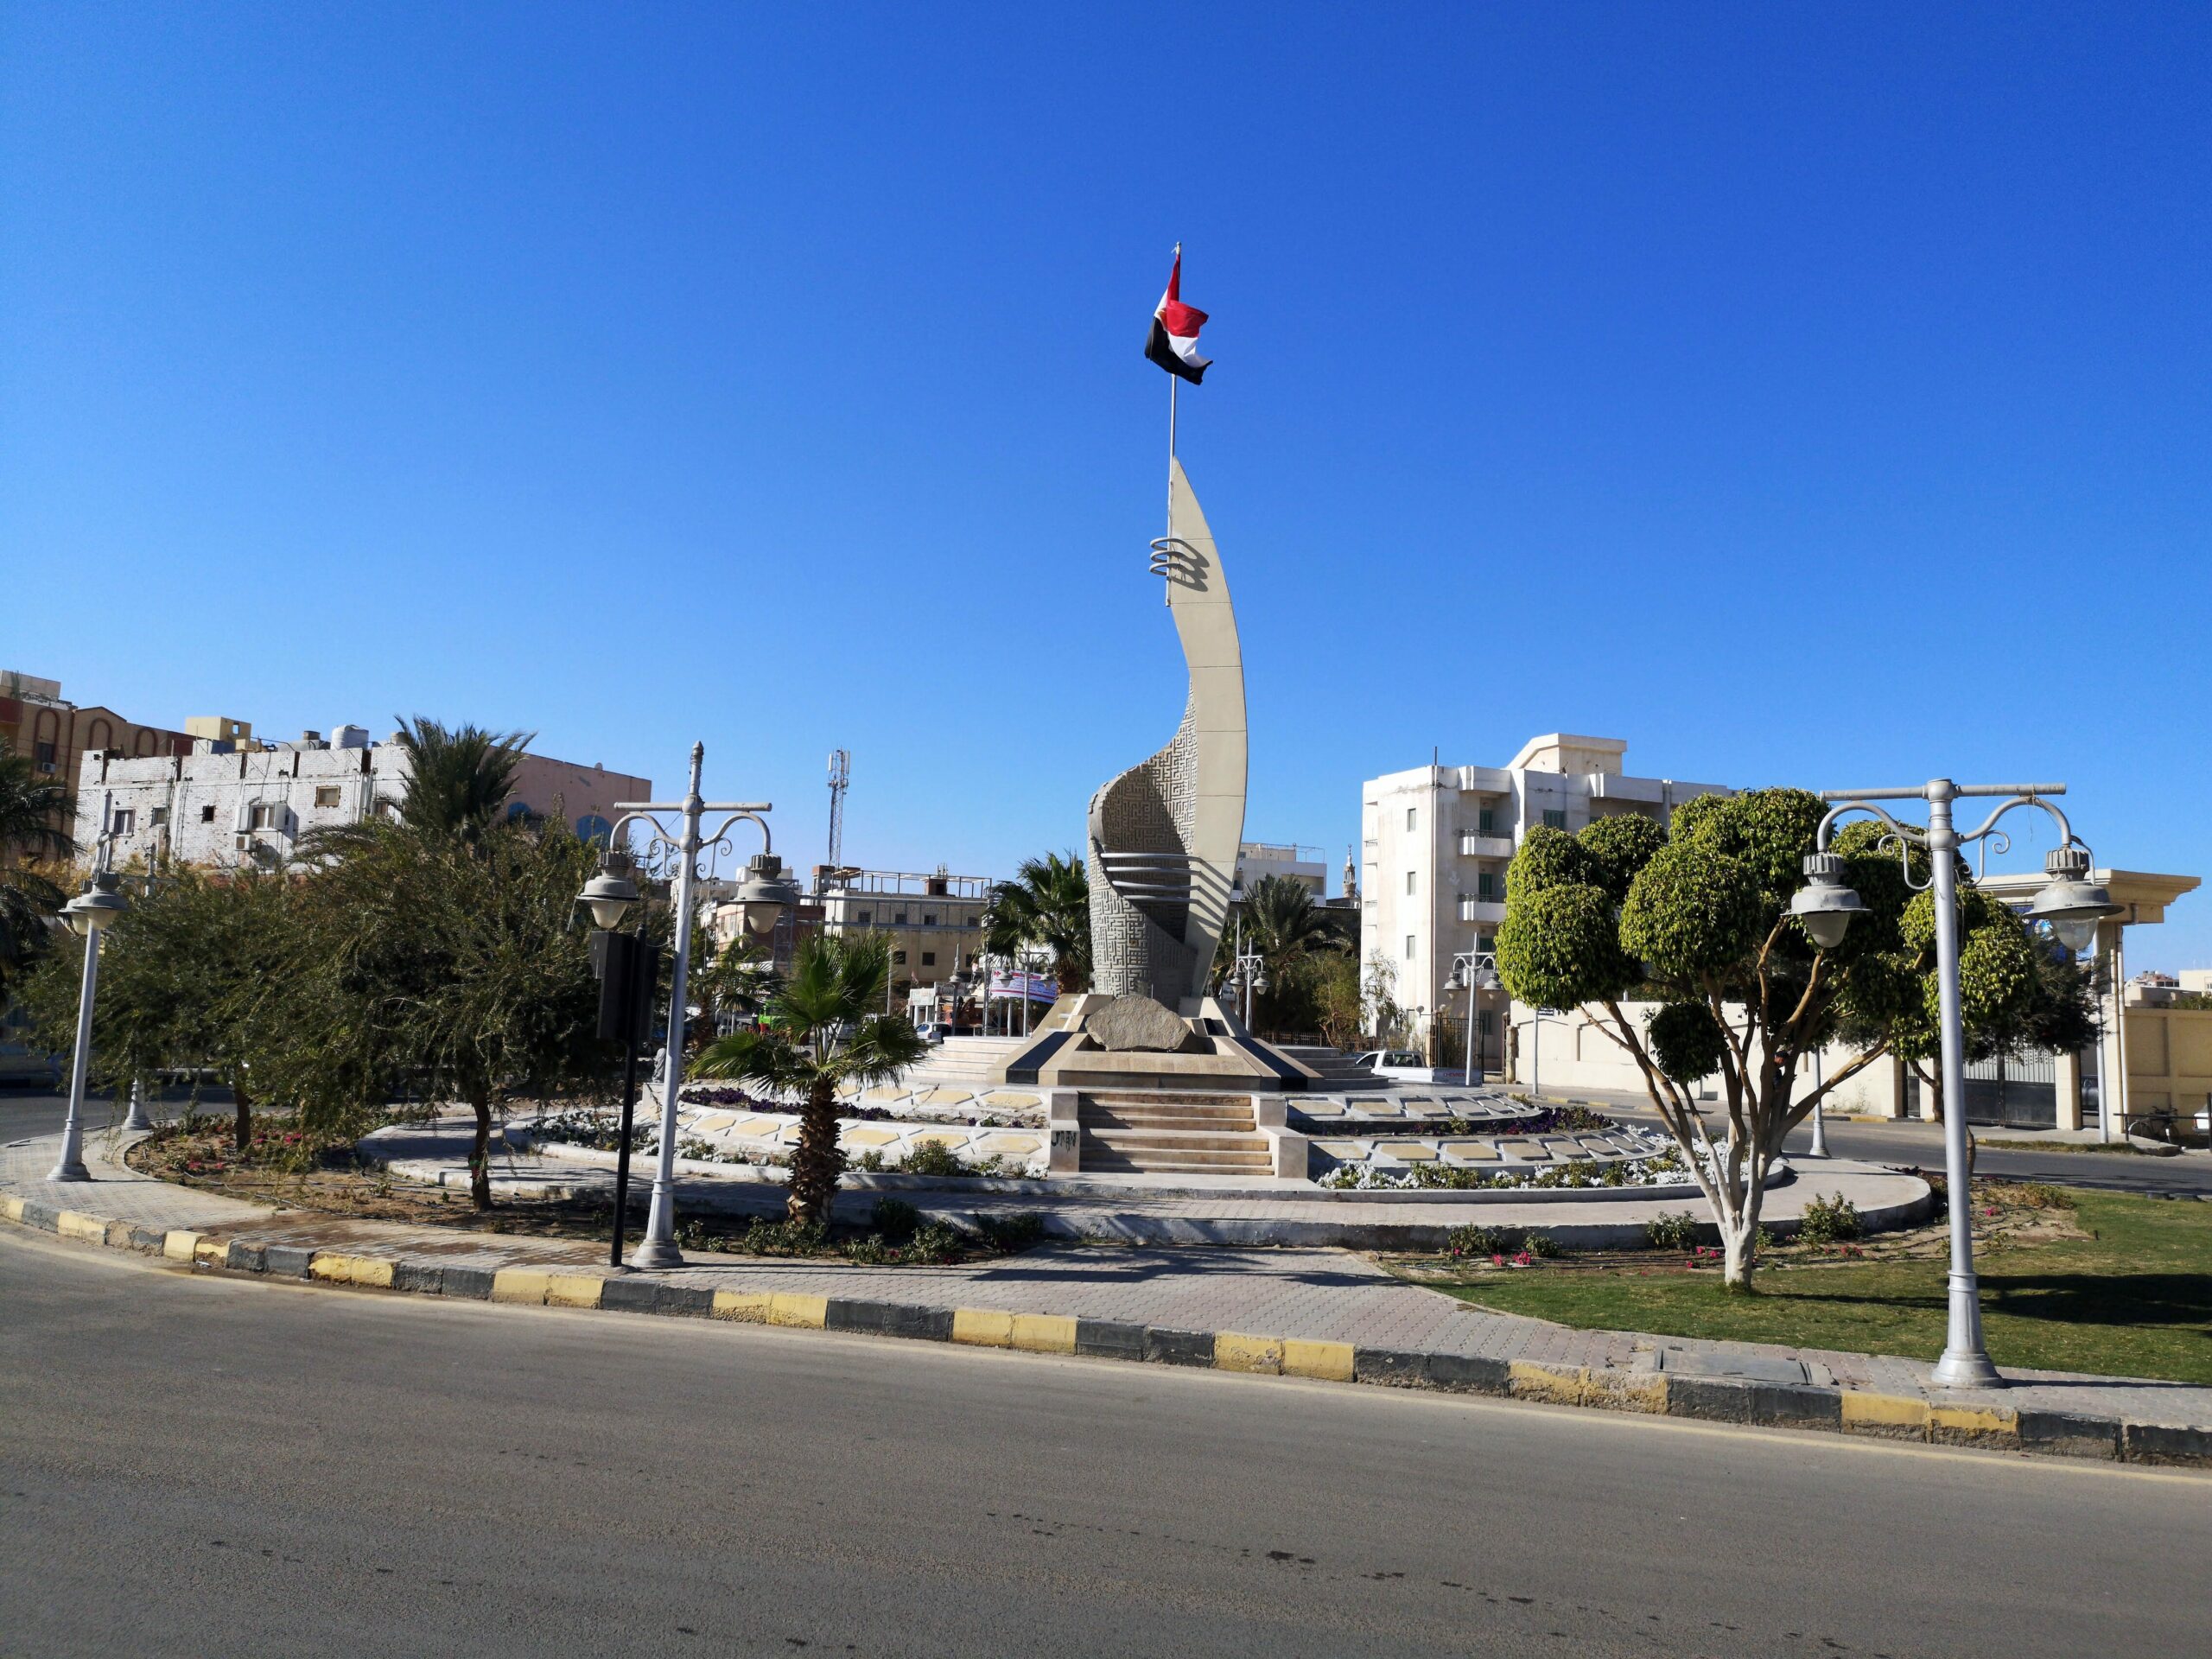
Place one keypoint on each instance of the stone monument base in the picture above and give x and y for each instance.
(1214, 1051)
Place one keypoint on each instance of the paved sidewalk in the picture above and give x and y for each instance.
(1324, 1312)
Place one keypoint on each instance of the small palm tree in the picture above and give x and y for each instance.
(828, 1030)
(1047, 903)
(34, 809)
(459, 778)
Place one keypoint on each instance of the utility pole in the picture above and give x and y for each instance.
(841, 778)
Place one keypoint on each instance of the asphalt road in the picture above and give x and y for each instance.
(26, 1112)
(197, 1466)
(1922, 1144)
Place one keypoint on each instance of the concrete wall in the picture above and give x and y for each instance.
(2169, 1059)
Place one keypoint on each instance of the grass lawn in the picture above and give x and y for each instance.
(2135, 1300)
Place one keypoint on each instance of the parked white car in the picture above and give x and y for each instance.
(1400, 1064)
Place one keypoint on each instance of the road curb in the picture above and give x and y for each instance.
(1847, 1411)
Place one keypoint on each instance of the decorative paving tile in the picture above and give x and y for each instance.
(1350, 1151)
(869, 1135)
(885, 1094)
(1471, 1151)
(713, 1123)
(942, 1138)
(1009, 1100)
(1527, 1151)
(1411, 1152)
(1012, 1145)
(758, 1128)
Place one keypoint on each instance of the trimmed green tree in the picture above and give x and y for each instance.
(1046, 905)
(1699, 923)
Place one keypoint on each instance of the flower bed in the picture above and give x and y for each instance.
(1664, 1169)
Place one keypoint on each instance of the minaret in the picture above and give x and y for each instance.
(1351, 876)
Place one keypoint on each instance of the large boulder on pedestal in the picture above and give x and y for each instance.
(1135, 1024)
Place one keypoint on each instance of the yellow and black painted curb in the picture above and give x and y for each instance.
(1836, 1410)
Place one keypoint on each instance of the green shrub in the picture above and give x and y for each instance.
(1472, 1238)
(1673, 1231)
(784, 1238)
(1012, 1233)
(896, 1219)
(1541, 1244)
(1830, 1220)
(932, 1158)
(937, 1242)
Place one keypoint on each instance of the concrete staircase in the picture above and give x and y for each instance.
(1331, 1066)
(965, 1060)
(1171, 1134)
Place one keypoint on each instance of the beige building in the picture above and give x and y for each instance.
(1435, 843)
(56, 735)
(935, 921)
(1258, 860)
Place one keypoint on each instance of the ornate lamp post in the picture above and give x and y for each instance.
(1472, 972)
(88, 915)
(766, 892)
(2070, 903)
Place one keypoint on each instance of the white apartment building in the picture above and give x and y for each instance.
(1435, 843)
(1257, 859)
(226, 806)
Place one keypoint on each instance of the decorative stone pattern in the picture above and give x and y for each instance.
(1162, 836)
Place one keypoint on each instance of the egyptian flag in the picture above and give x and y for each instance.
(1174, 342)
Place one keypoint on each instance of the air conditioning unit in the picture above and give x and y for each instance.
(47, 767)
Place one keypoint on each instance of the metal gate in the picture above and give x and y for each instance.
(2014, 1093)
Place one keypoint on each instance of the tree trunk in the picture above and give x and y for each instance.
(480, 1154)
(1739, 1234)
(241, 1117)
(818, 1160)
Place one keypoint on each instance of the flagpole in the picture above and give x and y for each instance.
(1174, 384)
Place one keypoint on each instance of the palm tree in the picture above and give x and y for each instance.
(827, 1030)
(1047, 903)
(459, 778)
(34, 808)
(1283, 927)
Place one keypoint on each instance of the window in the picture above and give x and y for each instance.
(206, 815)
(1555, 817)
(863, 917)
(124, 822)
(43, 753)
(1486, 943)
(1487, 886)
(899, 958)
(263, 816)
(899, 919)
(1486, 822)
(326, 795)
(156, 816)
(929, 958)
(929, 919)
(1409, 881)
(1409, 818)
(1409, 947)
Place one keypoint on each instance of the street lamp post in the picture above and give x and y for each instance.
(766, 892)
(88, 915)
(1250, 973)
(2070, 902)
(1472, 972)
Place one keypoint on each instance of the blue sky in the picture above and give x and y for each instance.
(1811, 395)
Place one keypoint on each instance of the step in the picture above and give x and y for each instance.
(1172, 1140)
(1188, 1163)
(1167, 1097)
(1242, 1125)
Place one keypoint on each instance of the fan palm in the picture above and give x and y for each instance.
(827, 1030)
(1047, 904)
(33, 811)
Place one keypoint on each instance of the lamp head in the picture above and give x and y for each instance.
(766, 892)
(2070, 901)
(1826, 904)
(608, 895)
(96, 907)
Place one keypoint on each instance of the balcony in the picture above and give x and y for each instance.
(1472, 909)
(1472, 845)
